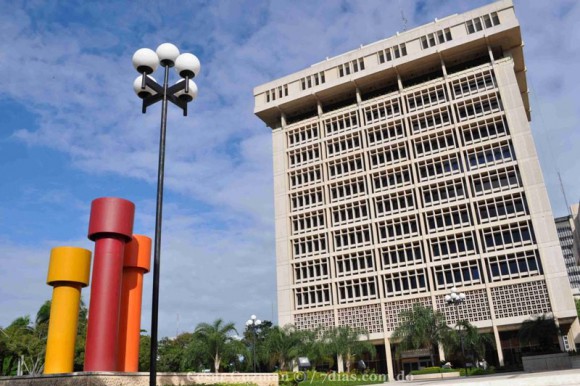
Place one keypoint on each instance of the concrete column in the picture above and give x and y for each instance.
(340, 364)
(389, 356)
(498, 346)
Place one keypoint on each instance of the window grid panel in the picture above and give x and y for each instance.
(385, 132)
(497, 180)
(443, 192)
(314, 320)
(349, 213)
(489, 155)
(474, 308)
(402, 255)
(306, 199)
(368, 317)
(405, 283)
(430, 120)
(522, 299)
(346, 144)
(474, 83)
(341, 123)
(352, 238)
(309, 246)
(393, 309)
(382, 111)
(434, 143)
(388, 155)
(305, 177)
(453, 246)
(514, 265)
(303, 135)
(385, 180)
(312, 270)
(307, 222)
(424, 98)
(355, 263)
(402, 201)
(398, 228)
(508, 236)
(346, 166)
(356, 290)
(460, 274)
(439, 167)
(484, 130)
(478, 106)
(448, 218)
(303, 156)
(501, 208)
(312, 296)
(345, 190)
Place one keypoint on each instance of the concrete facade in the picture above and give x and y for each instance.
(407, 167)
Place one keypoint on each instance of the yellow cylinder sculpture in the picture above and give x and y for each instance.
(68, 271)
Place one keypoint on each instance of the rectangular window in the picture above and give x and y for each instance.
(306, 199)
(501, 208)
(388, 155)
(357, 290)
(341, 123)
(478, 106)
(349, 213)
(439, 167)
(398, 228)
(436, 38)
(496, 181)
(312, 296)
(508, 236)
(489, 155)
(312, 270)
(303, 156)
(346, 166)
(307, 222)
(430, 120)
(312, 80)
(485, 130)
(424, 98)
(402, 255)
(392, 178)
(355, 263)
(483, 22)
(345, 190)
(514, 265)
(352, 238)
(443, 192)
(309, 246)
(382, 110)
(405, 283)
(385, 132)
(457, 275)
(473, 83)
(447, 218)
(402, 201)
(305, 177)
(453, 246)
(342, 145)
(302, 134)
(434, 143)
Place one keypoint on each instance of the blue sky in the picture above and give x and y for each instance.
(71, 130)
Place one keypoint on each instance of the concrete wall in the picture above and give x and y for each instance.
(138, 379)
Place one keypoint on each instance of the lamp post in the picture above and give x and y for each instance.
(254, 324)
(180, 94)
(456, 299)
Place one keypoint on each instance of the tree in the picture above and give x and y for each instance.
(578, 307)
(473, 342)
(172, 352)
(421, 327)
(218, 342)
(282, 345)
(539, 333)
(261, 332)
(144, 352)
(345, 342)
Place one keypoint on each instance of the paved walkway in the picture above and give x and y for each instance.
(548, 378)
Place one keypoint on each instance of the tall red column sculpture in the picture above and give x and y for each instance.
(110, 227)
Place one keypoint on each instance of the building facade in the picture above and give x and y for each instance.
(567, 227)
(406, 167)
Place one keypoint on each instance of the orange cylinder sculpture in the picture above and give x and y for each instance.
(136, 263)
(68, 271)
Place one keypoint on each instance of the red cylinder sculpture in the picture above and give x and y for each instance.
(110, 227)
(137, 263)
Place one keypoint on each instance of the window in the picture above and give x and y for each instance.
(401, 255)
(447, 218)
(478, 106)
(307, 222)
(341, 122)
(500, 208)
(350, 213)
(309, 246)
(508, 236)
(303, 156)
(388, 155)
(514, 265)
(306, 199)
(405, 283)
(345, 190)
(351, 67)
(346, 166)
(391, 53)
(457, 274)
(479, 23)
(430, 120)
(398, 228)
(385, 132)
(352, 237)
(355, 263)
(436, 38)
(496, 181)
(312, 80)
(439, 167)
(343, 145)
(303, 134)
(305, 177)
(392, 178)
(434, 143)
(488, 155)
(313, 296)
(443, 192)
(473, 84)
(452, 246)
(278, 92)
(306, 271)
(422, 98)
(382, 111)
(395, 203)
(484, 130)
(356, 290)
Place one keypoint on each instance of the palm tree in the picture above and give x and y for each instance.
(473, 341)
(346, 342)
(282, 345)
(421, 327)
(217, 340)
(540, 332)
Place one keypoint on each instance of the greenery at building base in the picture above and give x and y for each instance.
(315, 378)
(540, 335)
(433, 370)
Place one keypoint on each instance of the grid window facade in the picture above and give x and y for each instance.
(402, 255)
(345, 190)
(424, 98)
(484, 130)
(478, 106)
(381, 111)
(312, 270)
(491, 154)
(307, 222)
(443, 192)
(309, 246)
(406, 283)
(350, 213)
(430, 120)
(343, 145)
(352, 237)
(306, 199)
(402, 201)
(305, 177)
(346, 167)
(355, 263)
(398, 228)
(303, 156)
(494, 181)
(439, 167)
(313, 296)
(392, 178)
(501, 208)
(508, 236)
(385, 132)
(514, 265)
(303, 134)
(474, 83)
(448, 218)
(461, 274)
(356, 290)
(388, 155)
(434, 143)
(453, 246)
(341, 123)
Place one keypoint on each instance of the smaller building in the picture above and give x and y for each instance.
(568, 228)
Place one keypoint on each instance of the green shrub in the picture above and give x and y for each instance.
(432, 370)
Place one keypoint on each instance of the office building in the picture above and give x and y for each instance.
(406, 167)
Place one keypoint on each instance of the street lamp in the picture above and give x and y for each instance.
(146, 61)
(254, 324)
(456, 299)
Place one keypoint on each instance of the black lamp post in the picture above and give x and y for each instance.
(254, 324)
(456, 299)
(180, 94)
